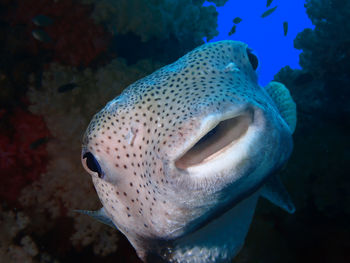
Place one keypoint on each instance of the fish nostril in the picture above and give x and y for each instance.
(93, 164)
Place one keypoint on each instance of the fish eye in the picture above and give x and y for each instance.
(93, 164)
(252, 58)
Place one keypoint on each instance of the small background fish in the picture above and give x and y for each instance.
(41, 35)
(268, 12)
(38, 143)
(285, 28)
(42, 20)
(233, 30)
(67, 87)
(237, 20)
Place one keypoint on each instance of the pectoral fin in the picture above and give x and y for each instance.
(274, 191)
(99, 215)
(284, 102)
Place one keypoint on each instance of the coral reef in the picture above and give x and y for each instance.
(326, 49)
(326, 53)
(73, 37)
(18, 241)
(23, 155)
(218, 2)
(17, 62)
(11, 224)
(183, 19)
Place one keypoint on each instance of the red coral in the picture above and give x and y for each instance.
(23, 154)
(77, 40)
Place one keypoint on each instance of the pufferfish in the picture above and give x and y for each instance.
(180, 158)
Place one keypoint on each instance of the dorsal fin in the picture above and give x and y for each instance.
(99, 215)
(274, 191)
(284, 102)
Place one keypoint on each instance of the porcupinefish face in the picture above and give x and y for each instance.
(183, 146)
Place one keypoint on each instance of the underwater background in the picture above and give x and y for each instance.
(62, 60)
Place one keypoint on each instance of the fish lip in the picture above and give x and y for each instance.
(209, 123)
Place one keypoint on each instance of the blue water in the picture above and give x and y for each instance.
(265, 35)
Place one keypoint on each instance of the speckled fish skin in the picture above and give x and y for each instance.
(177, 204)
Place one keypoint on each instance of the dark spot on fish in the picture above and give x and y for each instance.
(67, 87)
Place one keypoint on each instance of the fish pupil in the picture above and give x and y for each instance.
(92, 163)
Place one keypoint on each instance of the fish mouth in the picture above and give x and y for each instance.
(215, 145)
